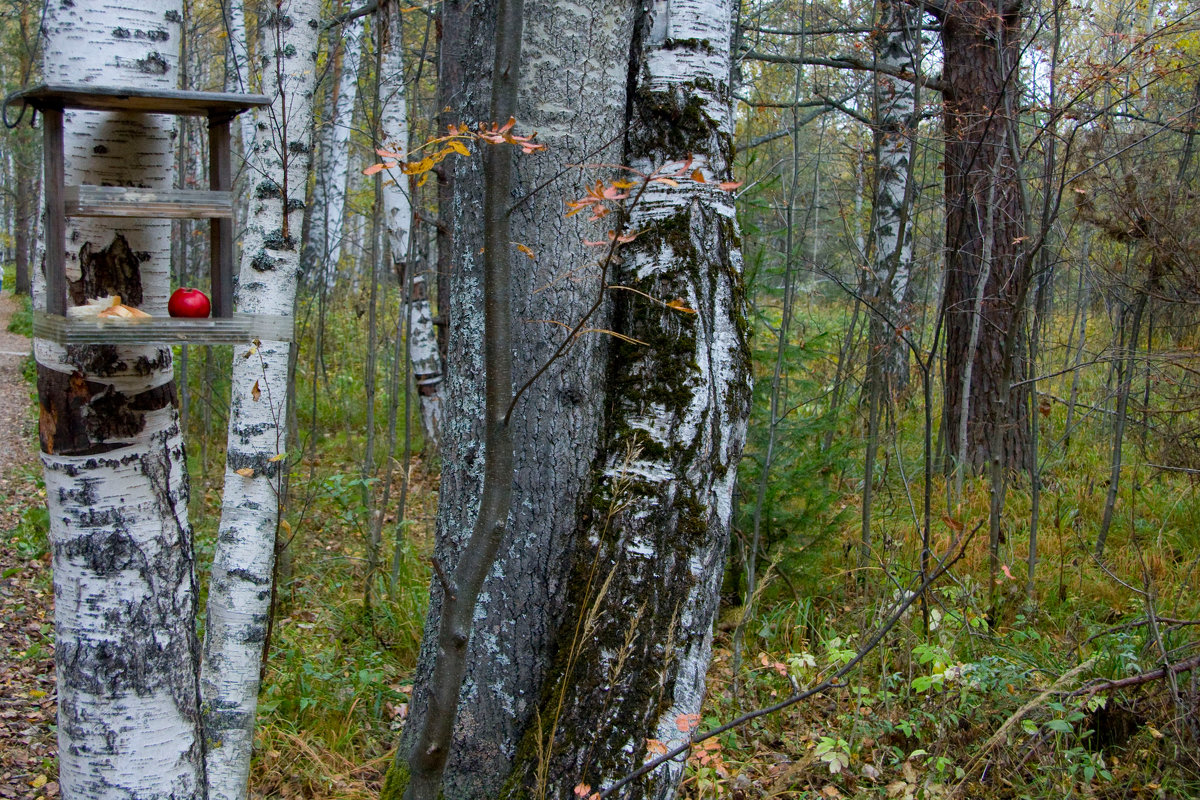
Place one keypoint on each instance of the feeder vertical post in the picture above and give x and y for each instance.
(220, 178)
(56, 222)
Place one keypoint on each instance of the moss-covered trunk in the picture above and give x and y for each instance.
(634, 648)
(556, 424)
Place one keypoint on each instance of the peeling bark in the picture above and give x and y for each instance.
(240, 587)
(116, 478)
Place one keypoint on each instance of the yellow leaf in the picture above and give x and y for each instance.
(278, 457)
(679, 305)
(255, 392)
(245, 472)
(459, 148)
(525, 249)
(698, 176)
(37, 693)
(39, 781)
(285, 526)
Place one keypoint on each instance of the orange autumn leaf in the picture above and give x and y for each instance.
(371, 170)
(655, 747)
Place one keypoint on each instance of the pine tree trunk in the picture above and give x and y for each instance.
(240, 588)
(981, 46)
(115, 469)
(635, 644)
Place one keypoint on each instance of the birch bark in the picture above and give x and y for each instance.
(240, 588)
(422, 339)
(116, 480)
(327, 229)
(636, 644)
(892, 227)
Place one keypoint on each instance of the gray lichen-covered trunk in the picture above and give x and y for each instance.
(634, 649)
(896, 112)
(240, 587)
(115, 469)
(555, 426)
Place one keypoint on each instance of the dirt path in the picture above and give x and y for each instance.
(27, 747)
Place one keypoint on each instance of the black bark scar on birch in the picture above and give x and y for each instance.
(111, 271)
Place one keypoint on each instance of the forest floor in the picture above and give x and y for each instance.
(27, 745)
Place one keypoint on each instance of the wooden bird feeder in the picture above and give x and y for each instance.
(215, 204)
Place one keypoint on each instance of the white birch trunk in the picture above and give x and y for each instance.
(238, 76)
(327, 228)
(240, 589)
(116, 481)
(892, 228)
(397, 208)
(656, 530)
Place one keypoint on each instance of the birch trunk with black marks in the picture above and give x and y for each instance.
(238, 75)
(635, 644)
(240, 588)
(555, 426)
(323, 248)
(112, 449)
(896, 104)
(397, 214)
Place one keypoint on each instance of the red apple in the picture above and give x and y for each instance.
(187, 302)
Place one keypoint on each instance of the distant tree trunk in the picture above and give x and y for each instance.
(25, 213)
(115, 467)
(896, 104)
(240, 587)
(555, 427)
(422, 338)
(981, 43)
(323, 249)
(635, 643)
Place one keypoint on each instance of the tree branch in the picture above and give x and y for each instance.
(847, 62)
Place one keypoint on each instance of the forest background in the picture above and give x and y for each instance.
(1056, 655)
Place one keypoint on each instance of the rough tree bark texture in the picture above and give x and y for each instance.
(635, 645)
(892, 226)
(116, 480)
(240, 588)
(984, 223)
(555, 427)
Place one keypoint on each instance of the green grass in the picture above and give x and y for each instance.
(21, 321)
